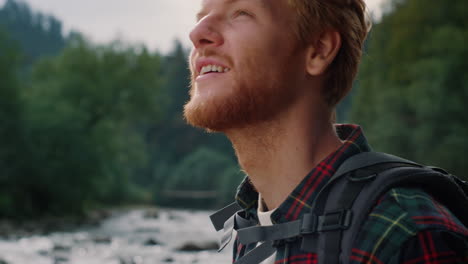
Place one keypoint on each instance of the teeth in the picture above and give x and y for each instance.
(213, 68)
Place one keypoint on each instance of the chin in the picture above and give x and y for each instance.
(244, 106)
(211, 115)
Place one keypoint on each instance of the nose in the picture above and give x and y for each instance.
(205, 33)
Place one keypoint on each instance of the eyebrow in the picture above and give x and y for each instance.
(202, 13)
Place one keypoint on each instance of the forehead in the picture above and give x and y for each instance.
(264, 3)
(210, 4)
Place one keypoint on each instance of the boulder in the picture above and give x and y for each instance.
(60, 259)
(168, 260)
(102, 239)
(198, 246)
(42, 252)
(152, 213)
(61, 248)
(130, 260)
(94, 218)
(152, 242)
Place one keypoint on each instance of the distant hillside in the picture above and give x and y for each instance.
(37, 34)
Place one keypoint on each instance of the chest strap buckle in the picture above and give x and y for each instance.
(335, 220)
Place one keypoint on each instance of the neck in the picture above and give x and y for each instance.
(278, 154)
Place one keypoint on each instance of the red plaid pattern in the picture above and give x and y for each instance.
(406, 225)
(430, 247)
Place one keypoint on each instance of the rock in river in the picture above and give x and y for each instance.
(102, 239)
(61, 248)
(198, 246)
(152, 242)
(168, 260)
(152, 214)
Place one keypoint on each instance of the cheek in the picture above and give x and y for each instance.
(265, 67)
(191, 62)
(264, 58)
(256, 59)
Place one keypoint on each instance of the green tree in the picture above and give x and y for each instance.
(174, 137)
(172, 140)
(82, 116)
(414, 83)
(10, 126)
(204, 170)
(37, 34)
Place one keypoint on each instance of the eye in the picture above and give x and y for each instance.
(241, 13)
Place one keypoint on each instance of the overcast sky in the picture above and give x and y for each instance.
(156, 23)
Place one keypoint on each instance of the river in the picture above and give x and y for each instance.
(127, 237)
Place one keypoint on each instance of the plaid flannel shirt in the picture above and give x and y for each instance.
(405, 226)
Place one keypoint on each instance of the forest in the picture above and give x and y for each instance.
(86, 126)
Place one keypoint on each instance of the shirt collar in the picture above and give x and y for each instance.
(300, 200)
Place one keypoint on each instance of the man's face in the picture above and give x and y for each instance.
(245, 63)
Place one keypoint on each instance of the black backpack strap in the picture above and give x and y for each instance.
(342, 206)
(440, 186)
(220, 217)
(367, 159)
(335, 207)
(228, 219)
(232, 217)
(360, 182)
(335, 211)
(258, 254)
(318, 221)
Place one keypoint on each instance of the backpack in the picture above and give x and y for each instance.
(333, 223)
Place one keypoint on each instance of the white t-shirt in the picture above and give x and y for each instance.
(265, 220)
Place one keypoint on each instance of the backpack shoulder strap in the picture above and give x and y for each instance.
(359, 183)
(343, 205)
(367, 159)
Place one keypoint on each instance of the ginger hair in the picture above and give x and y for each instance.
(349, 18)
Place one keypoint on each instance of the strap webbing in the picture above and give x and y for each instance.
(229, 226)
(220, 217)
(308, 224)
(327, 226)
(235, 222)
(269, 233)
(258, 254)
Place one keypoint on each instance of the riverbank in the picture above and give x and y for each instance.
(13, 229)
(129, 236)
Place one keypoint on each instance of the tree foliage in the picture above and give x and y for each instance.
(80, 114)
(37, 34)
(97, 125)
(414, 83)
(10, 114)
(89, 125)
(172, 141)
(205, 170)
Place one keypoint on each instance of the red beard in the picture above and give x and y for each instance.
(244, 106)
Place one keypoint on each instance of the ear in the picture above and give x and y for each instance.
(322, 52)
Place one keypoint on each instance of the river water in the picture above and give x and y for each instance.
(128, 237)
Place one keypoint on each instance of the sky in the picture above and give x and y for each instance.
(155, 23)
